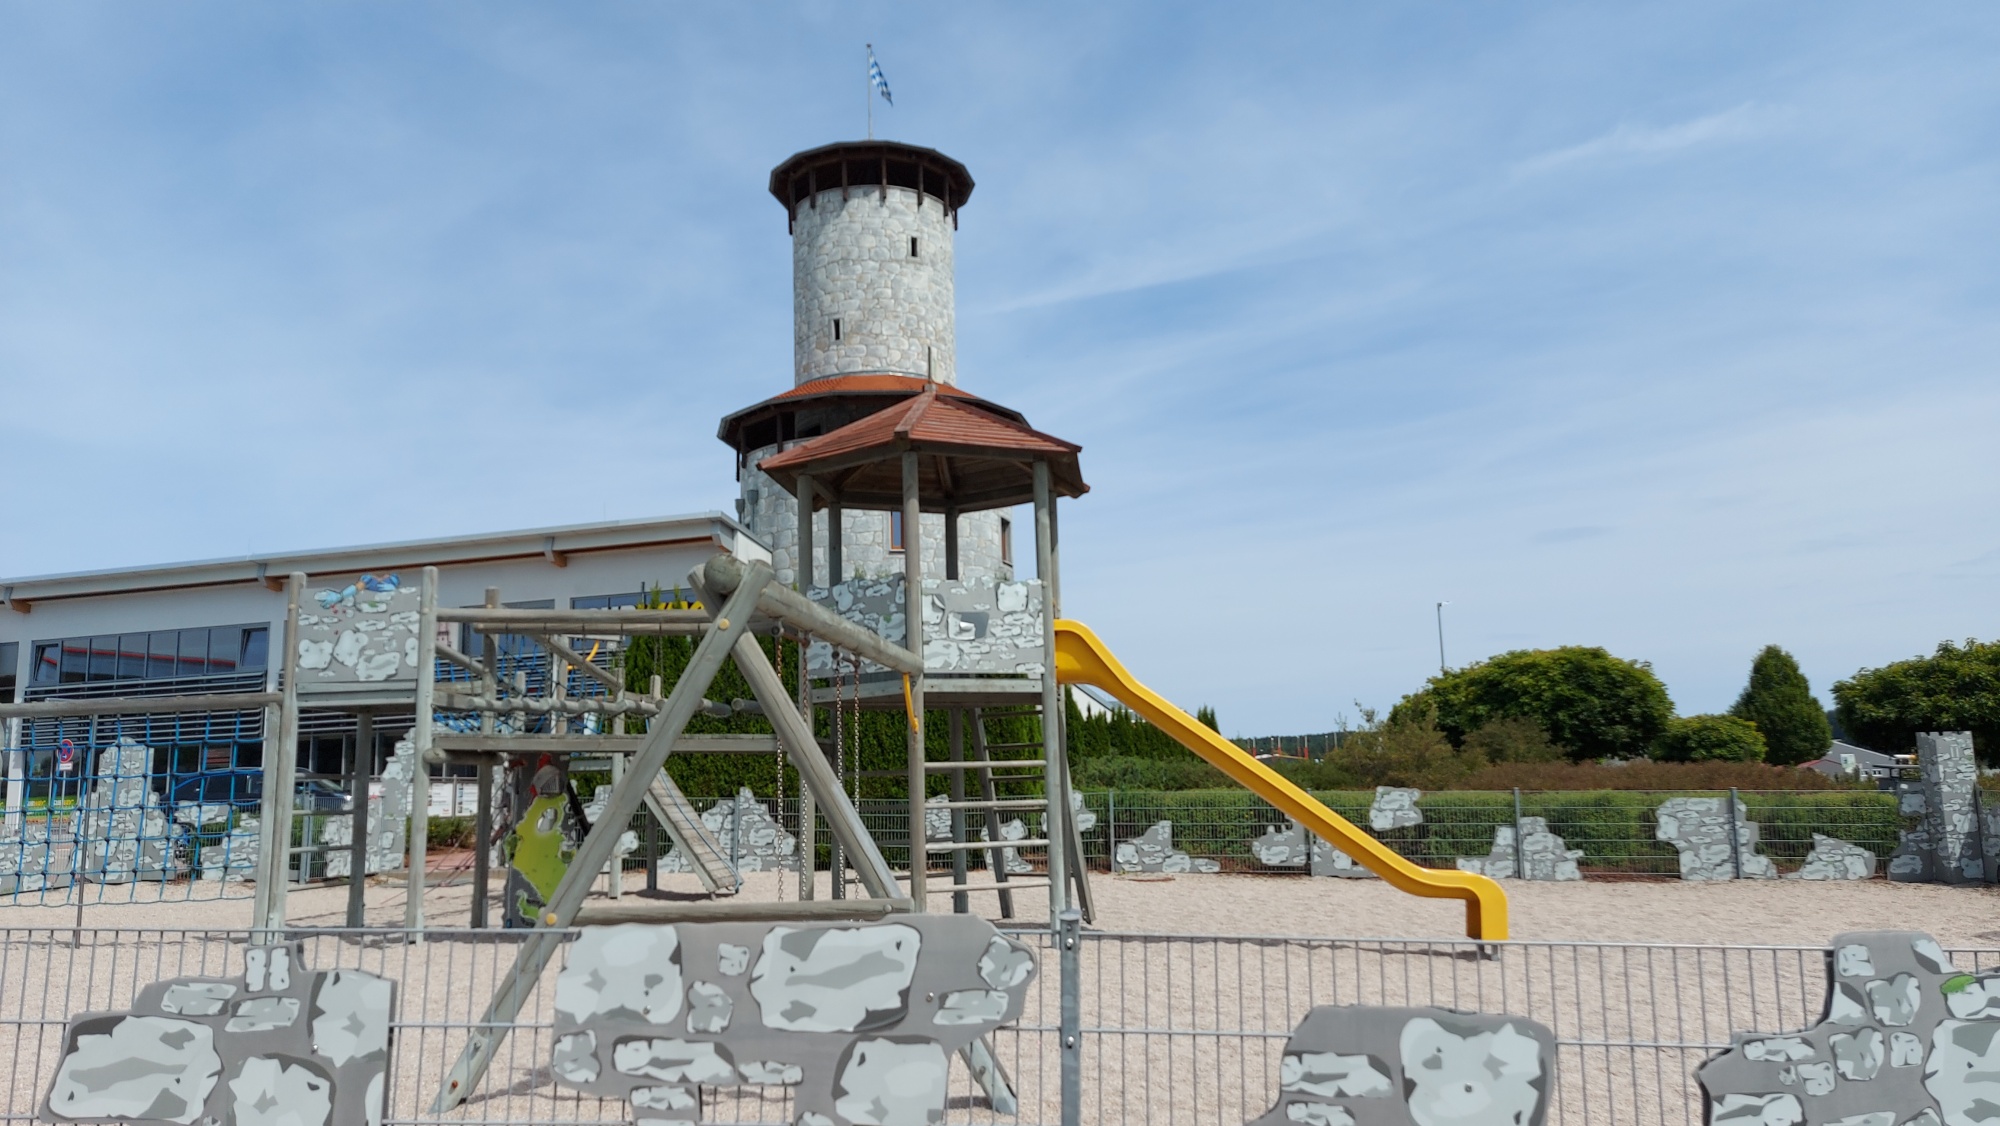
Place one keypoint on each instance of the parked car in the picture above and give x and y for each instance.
(244, 789)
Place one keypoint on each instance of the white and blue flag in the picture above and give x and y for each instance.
(875, 77)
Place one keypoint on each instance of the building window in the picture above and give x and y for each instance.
(895, 531)
(166, 654)
(913, 246)
(836, 330)
(1006, 542)
(10, 652)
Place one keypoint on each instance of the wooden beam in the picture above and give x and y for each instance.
(735, 911)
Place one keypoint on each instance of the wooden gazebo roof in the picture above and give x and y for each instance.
(968, 458)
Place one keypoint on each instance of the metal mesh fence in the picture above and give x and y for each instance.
(1614, 829)
(1171, 1029)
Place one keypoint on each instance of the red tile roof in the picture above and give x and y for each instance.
(974, 457)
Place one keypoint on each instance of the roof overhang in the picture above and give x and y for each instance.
(555, 544)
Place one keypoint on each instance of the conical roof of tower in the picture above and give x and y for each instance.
(968, 458)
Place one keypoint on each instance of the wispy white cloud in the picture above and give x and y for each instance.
(1627, 141)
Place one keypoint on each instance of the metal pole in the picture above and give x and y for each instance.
(808, 833)
(1735, 845)
(1520, 866)
(951, 542)
(1069, 939)
(1440, 612)
(913, 640)
(1052, 767)
(363, 766)
(420, 741)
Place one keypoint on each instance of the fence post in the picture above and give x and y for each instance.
(1069, 936)
(1735, 842)
(1520, 867)
(1111, 830)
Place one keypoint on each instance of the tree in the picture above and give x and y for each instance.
(1589, 702)
(1780, 702)
(1710, 738)
(1955, 689)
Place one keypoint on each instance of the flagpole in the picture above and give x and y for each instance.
(868, 92)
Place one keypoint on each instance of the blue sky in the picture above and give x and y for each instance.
(1668, 328)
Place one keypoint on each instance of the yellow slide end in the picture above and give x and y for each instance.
(1082, 659)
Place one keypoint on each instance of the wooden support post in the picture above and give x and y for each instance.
(913, 640)
(362, 767)
(420, 741)
(834, 535)
(1052, 752)
(482, 820)
(808, 834)
(957, 733)
(532, 957)
(802, 570)
(951, 542)
(281, 766)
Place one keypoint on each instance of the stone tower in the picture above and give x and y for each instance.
(873, 323)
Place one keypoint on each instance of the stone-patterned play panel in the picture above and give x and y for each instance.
(1154, 851)
(860, 1020)
(1906, 1040)
(280, 1045)
(970, 625)
(1698, 828)
(1358, 1065)
(1539, 854)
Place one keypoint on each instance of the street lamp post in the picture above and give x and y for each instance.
(1440, 613)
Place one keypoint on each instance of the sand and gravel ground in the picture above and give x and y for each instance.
(1773, 912)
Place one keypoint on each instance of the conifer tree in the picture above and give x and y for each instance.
(1780, 702)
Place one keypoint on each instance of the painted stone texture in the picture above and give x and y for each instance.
(388, 819)
(851, 261)
(860, 1020)
(1358, 1065)
(1944, 845)
(1395, 807)
(29, 860)
(970, 625)
(1543, 855)
(279, 1045)
(1699, 829)
(773, 516)
(1154, 851)
(1832, 859)
(127, 834)
(748, 836)
(363, 632)
(1290, 846)
(1906, 1040)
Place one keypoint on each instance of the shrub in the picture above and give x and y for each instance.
(1514, 739)
(1591, 703)
(1710, 738)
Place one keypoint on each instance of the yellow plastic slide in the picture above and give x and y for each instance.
(1082, 659)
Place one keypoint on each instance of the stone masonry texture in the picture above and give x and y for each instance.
(851, 261)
